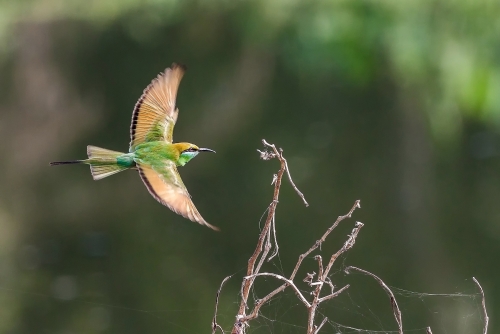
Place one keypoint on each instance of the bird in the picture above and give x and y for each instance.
(152, 151)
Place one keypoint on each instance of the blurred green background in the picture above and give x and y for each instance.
(395, 103)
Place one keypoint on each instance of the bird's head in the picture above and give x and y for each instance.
(188, 151)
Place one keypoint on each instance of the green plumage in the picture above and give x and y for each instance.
(151, 150)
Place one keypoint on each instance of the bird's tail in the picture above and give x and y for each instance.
(102, 162)
(55, 163)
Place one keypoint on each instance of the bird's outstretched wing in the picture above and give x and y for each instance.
(155, 113)
(166, 186)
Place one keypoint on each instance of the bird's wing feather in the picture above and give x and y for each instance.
(165, 185)
(155, 113)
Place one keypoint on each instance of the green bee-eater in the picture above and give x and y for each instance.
(151, 150)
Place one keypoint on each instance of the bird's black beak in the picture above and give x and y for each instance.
(202, 149)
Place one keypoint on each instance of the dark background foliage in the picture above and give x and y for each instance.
(395, 103)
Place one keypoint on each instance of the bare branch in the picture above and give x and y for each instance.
(264, 246)
(243, 319)
(287, 282)
(280, 154)
(347, 245)
(264, 243)
(394, 304)
(329, 282)
(324, 274)
(258, 304)
(325, 319)
(323, 238)
(309, 279)
(294, 186)
(215, 325)
(276, 247)
(320, 265)
(483, 302)
(267, 245)
(333, 295)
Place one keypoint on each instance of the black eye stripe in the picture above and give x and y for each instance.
(191, 149)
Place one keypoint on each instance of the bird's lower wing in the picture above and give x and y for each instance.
(166, 186)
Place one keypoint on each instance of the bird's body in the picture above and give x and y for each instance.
(151, 150)
(159, 151)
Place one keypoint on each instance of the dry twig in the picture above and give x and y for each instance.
(264, 246)
(323, 238)
(323, 275)
(276, 247)
(287, 282)
(394, 304)
(322, 278)
(483, 302)
(215, 325)
(264, 242)
(266, 155)
(325, 319)
(317, 282)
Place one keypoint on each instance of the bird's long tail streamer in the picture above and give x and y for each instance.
(103, 162)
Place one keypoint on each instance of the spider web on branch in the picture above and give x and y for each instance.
(353, 313)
